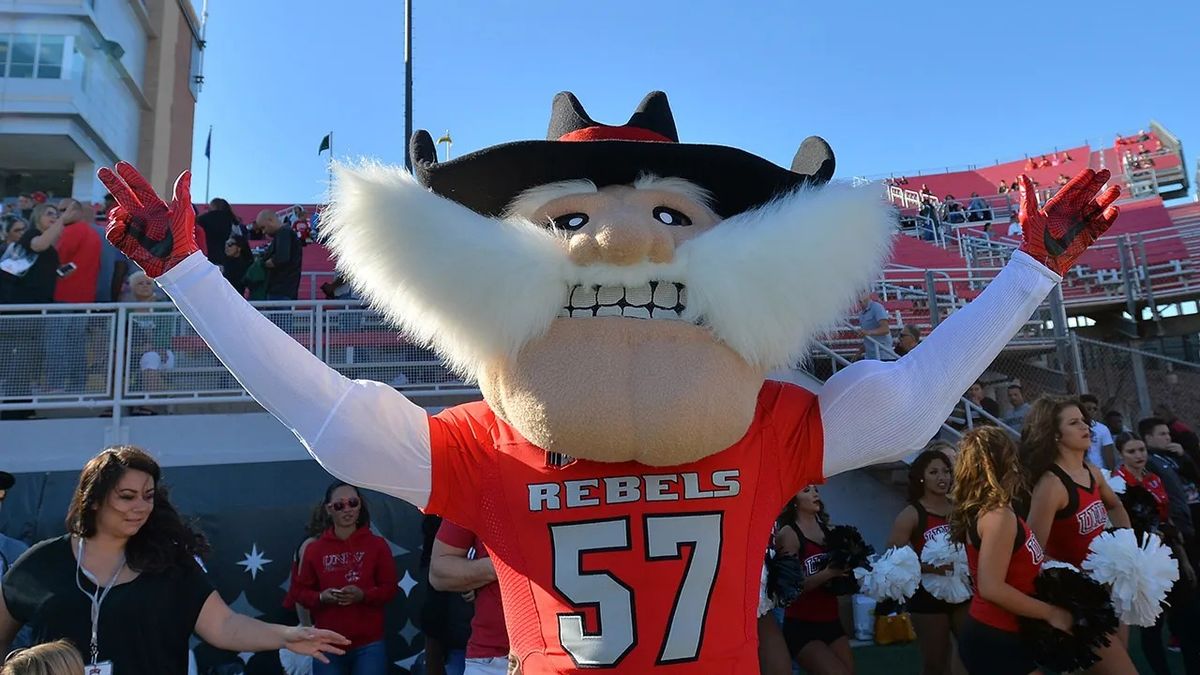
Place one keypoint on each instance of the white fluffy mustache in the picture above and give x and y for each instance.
(477, 289)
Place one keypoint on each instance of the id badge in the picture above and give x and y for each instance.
(102, 668)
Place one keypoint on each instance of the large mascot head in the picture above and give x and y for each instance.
(617, 294)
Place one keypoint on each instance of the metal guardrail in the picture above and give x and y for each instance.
(99, 356)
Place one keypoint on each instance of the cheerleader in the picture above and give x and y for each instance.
(1003, 555)
(926, 517)
(1071, 502)
(812, 626)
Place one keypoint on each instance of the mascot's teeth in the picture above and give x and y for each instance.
(655, 300)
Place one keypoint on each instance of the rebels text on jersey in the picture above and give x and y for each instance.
(627, 566)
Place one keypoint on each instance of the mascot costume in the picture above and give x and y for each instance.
(619, 296)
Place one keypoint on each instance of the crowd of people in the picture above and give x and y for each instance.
(56, 252)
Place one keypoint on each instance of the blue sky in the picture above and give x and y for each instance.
(894, 87)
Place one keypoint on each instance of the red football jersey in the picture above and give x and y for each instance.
(625, 565)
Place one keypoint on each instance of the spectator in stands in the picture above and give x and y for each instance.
(873, 328)
(1018, 407)
(977, 209)
(14, 227)
(1181, 433)
(25, 207)
(79, 246)
(926, 192)
(1103, 452)
(142, 289)
(1013, 186)
(347, 578)
(238, 259)
(122, 527)
(1001, 188)
(988, 404)
(1115, 421)
(282, 259)
(10, 549)
(114, 266)
(952, 211)
(932, 221)
(1167, 456)
(51, 658)
(27, 275)
(1014, 226)
(219, 224)
(461, 564)
(909, 338)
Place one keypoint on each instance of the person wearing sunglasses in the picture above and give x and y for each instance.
(346, 579)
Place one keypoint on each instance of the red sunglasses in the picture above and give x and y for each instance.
(345, 503)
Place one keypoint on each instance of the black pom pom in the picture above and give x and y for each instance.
(847, 550)
(785, 579)
(1088, 602)
(1142, 508)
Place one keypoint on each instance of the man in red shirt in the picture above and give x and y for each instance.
(79, 244)
(461, 564)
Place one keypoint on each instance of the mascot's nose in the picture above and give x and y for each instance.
(622, 244)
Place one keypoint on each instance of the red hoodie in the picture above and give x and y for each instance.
(363, 560)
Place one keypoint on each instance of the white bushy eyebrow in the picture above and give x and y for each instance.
(680, 186)
(532, 200)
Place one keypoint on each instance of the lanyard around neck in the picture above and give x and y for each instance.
(96, 597)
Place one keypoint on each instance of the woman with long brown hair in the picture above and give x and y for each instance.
(1071, 502)
(124, 584)
(930, 478)
(1003, 555)
(812, 626)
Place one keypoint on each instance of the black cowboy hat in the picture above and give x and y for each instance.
(487, 180)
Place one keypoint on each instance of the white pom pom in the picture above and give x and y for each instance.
(1116, 482)
(764, 603)
(893, 575)
(955, 585)
(1139, 576)
(1058, 564)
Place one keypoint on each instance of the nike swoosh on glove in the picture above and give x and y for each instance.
(1058, 233)
(142, 226)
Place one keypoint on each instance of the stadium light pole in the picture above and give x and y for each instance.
(408, 107)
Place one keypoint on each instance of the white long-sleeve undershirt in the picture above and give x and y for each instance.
(368, 434)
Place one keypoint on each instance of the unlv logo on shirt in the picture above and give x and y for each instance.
(1092, 518)
(933, 532)
(815, 563)
(1035, 549)
(350, 561)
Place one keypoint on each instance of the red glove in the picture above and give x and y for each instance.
(143, 227)
(1059, 233)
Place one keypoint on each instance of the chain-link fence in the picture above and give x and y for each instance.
(56, 354)
(1135, 382)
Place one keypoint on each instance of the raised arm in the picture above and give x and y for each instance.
(875, 411)
(362, 432)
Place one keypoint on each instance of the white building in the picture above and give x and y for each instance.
(84, 83)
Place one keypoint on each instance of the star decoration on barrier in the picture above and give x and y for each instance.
(407, 583)
(254, 561)
(409, 632)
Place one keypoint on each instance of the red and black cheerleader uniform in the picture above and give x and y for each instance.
(989, 643)
(929, 525)
(1079, 522)
(1154, 486)
(814, 615)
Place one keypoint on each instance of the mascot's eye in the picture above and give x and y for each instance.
(669, 216)
(570, 221)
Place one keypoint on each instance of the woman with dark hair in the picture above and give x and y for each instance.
(346, 579)
(124, 585)
(812, 627)
(1003, 555)
(218, 223)
(927, 516)
(1071, 502)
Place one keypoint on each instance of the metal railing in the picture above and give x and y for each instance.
(115, 356)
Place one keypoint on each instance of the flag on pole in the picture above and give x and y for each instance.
(208, 145)
(326, 143)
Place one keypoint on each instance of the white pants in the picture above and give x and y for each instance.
(495, 665)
